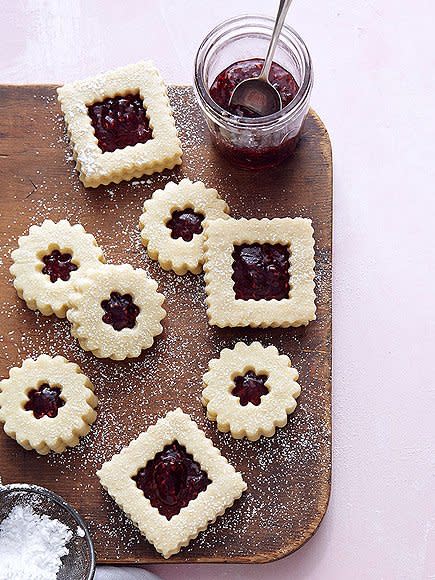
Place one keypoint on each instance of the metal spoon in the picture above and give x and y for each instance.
(257, 95)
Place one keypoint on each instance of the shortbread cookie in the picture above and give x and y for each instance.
(250, 390)
(120, 124)
(172, 223)
(116, 311)
(172, 482)
(47, 404)
(47, 262)
(259, 272)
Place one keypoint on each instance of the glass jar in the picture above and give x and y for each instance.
(261, 142)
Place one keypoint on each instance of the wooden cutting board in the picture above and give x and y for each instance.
(289, 475)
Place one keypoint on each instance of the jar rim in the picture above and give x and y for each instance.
(220, 114)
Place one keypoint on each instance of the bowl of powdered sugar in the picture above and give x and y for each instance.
(42, 537)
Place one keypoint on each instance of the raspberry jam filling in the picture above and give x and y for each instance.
(58, 266)
(252, 148)
(225, 83)
(261, 271)
(45, 400)
(171, 480)
(121, 311)
(120, 122)
(250, 388)
(185, 224)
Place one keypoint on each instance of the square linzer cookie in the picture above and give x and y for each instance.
(120, 124)
(260, 273)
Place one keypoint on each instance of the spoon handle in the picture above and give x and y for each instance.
(284, 5)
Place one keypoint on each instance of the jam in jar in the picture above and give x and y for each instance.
(225, 83)
(247, 140)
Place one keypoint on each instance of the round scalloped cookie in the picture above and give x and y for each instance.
(48, 261)
(179, 246)
(246, 418)
(69, 398)
(116, 311)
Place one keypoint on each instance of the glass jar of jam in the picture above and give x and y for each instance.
(234, 51)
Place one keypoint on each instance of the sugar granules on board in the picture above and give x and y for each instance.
(31, 546)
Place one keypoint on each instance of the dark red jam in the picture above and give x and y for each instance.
(185, 224)
(121, 311)
(250, 388)
(44, 401)
(261, 150)
(171, 480)
(261, 271)
(225, 83)
(120, 122)
(58, 266)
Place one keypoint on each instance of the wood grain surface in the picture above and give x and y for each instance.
(288, 476)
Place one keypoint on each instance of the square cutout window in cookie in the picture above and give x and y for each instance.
(261, 271)
(171, 480)
(120, 122)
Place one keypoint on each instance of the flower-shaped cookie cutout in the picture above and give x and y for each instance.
(172, 482)
(116, 311)
(47, 404)
(171, 224)
(250, 390)
(48, 261)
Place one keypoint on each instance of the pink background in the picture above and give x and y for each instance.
(374, 89)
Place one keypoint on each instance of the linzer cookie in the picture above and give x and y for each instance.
(116, 311)
(47, 404)
(48, 261)
(120, 124)
(172, 482)
(250, 390)
(172, 224)
(260, 272)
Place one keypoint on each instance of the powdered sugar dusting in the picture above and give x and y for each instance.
(32, 545)
(287, 475)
